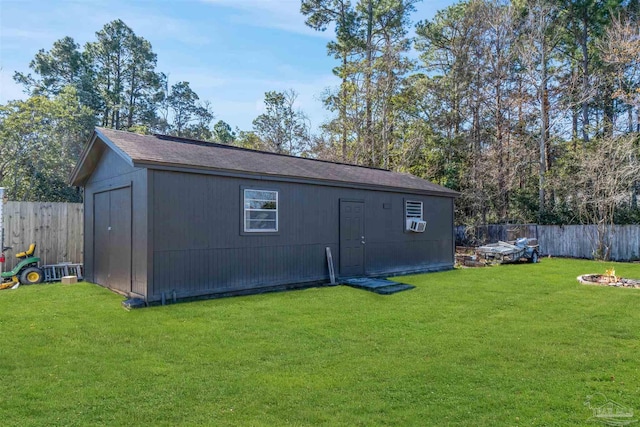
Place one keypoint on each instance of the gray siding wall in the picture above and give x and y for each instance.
(113, 172)
(197, 245)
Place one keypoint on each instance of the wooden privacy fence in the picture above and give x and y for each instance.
(480, 235)
(56, 228)
(574, 241)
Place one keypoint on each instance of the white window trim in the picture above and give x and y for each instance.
(245, 210)
(408, 218)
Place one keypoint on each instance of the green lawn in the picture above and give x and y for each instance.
(509, 345)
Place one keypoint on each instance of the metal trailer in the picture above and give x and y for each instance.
(506, 252)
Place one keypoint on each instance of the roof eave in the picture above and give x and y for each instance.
(126, 157)
(258, 175)
(75, 177)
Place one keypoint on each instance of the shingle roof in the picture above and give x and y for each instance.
(147, 150)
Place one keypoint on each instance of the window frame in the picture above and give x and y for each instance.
(408, 218)
(243, 219)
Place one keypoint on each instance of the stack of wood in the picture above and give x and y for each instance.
(466, 257)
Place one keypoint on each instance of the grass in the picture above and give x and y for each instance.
(509, 345)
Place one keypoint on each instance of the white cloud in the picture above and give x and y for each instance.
(90, 16)
(158, 27)
(12, 34)
(142, 20)
(277, 14)
(9, 90)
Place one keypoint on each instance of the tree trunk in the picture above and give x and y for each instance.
(574, 127)
(585, 78)
(609, 111)
(131, 101)
(387, 111)
(118, 92)
(368, 95)
(545, 127)
(343, 107)
(499, 140)
(107, 111)
(456, 108)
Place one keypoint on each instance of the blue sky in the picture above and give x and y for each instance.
(230, 51)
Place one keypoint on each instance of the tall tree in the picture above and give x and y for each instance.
(143, 85)
(539, 40)
(367, 10)
(620, 49)
(184, 115)
(451, 55)
(250, 140)
(111, 82)
(282, 127)
(372, 44)
(223, 133)
(63, 65)
(40, 139)
(391, 67)
(125, 77)
(606, 175)
(320, 14)
(583, 24)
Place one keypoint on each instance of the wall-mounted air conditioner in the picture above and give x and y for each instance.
(417, 226)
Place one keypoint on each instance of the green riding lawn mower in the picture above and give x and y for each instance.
(26, 272)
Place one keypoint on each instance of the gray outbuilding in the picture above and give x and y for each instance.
(167, 216)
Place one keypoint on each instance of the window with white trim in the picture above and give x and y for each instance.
(260, 211)
(412, 210)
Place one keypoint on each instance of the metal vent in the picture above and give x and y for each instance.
(414, 209)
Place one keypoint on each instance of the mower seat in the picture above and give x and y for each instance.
(28, 252)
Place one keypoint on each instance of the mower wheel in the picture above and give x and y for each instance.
(31, 276)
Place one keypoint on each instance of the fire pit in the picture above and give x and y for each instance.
(608, 279)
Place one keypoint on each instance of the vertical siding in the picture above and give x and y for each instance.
(113, 172)
(391, 248)
(198, 244)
